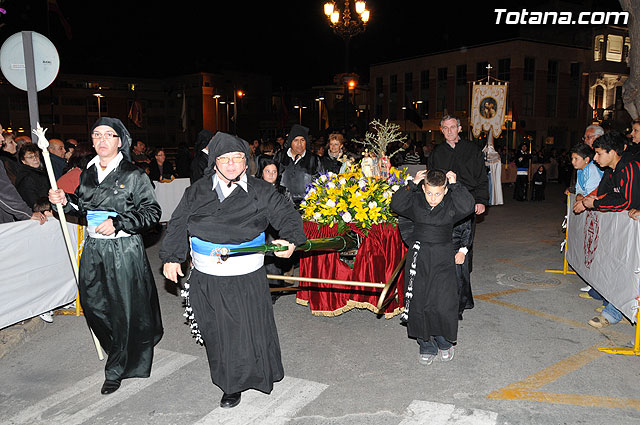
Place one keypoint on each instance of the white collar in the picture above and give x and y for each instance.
(113, 164)
(293, 157)
(227, 190)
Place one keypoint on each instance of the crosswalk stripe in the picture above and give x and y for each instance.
(83, 400)
(426, 412)
(287, 398)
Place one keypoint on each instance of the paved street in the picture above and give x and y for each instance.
(525, 355)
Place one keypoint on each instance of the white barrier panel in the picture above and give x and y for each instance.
(604, 249)
(169, 195)
(35, 268)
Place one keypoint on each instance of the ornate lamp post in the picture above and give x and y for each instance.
(344, 25)
(347, 27)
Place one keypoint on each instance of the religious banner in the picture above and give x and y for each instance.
(488, 108)
(604, 249)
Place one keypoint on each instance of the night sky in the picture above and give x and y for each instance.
(289, 40)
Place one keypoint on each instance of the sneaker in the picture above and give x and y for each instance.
(447, 355)
(585, 288)
(585, 295)
(47, 317)
(599, 322)
(427, 359)
(599, 309)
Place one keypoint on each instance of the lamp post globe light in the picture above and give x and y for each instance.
(347, 22)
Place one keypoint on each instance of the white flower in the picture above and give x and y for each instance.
(311, 191)
(387, 194)
(342, 181)
(395, 187)
(331, 203)
(372, 204)
(362, 183)
(303, 203)
(331, 185)
(323, 178)
(346, 217)
(317, 216)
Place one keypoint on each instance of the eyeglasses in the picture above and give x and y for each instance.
(107, 136)
(31, 157)
(226, 159)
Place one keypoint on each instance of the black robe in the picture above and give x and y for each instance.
(234, 313)
(431, 300)
(116, 285)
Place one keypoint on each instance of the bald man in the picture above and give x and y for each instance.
(58, 160)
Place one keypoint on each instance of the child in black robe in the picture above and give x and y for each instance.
(538, 183)
(431, 300)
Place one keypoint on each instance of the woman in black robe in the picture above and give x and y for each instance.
(229, 296)
(116, 285)
(431, 300)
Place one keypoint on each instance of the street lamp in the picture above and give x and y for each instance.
(300, 108)
(343, 25)
(99, 96)
(319, 100)
(217, 98)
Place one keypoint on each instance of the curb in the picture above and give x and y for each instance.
(15, 335)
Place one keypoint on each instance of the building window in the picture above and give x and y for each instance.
(393, 111)
(379, 86)
(626, 49)
(424, 80)
(461, 88)
(598, 47)
(529, 69)
(441, 90)
(504, 69)
(481, 70)
(393, 84)
(552, 88)
(408, 83)
(574, 89)
(615, 44)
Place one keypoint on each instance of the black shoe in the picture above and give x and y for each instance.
(110, 386)
(230, 400)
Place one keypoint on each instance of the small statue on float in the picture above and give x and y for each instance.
(376, 162)
(369, 165)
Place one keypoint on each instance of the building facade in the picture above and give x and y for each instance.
(554, 90)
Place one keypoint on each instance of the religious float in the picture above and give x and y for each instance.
(367, 270)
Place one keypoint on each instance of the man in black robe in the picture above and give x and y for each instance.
(297, 165)
(229, 296)
(116, 285)
(466, 160)
(523, 159)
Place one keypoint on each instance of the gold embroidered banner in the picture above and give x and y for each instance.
(488, 108)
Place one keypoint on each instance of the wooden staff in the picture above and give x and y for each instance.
(43, 144)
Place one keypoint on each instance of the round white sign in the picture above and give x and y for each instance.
(45, 56)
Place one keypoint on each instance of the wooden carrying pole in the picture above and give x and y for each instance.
(43, 144)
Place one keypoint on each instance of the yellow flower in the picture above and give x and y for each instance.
(374, 213)
(355, 200)
(342, 205)
(361, 213)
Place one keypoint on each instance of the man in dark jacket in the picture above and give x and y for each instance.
(466, 160)
(200, 154)
(296, 164)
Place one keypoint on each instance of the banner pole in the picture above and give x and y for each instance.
(565, 265)
(635, 351)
